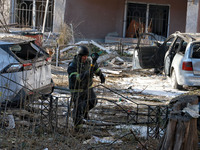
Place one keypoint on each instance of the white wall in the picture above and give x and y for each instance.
(192, 16)
(59, 12)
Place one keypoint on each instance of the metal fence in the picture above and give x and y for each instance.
(153, 117)
(55, 113)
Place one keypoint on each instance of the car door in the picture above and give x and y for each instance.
(150, 51)
(9, 67)
(173, 43)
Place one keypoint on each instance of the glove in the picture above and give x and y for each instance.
(94, 57)
(102, 78)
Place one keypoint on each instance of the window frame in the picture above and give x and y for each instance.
(147, 16)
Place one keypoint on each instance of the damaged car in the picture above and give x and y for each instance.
(25, 70)
(178, 57)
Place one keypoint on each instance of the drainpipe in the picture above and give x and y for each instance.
(45, 16)
(34, 10)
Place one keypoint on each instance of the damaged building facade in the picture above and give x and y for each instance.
(128, 18)
(104, 19)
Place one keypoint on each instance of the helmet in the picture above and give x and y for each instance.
(82, 51)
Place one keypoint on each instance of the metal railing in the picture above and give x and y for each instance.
(56, 113)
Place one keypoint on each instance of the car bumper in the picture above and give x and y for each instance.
(189, 80)
(30, 95)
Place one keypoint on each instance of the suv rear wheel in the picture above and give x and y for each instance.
(174, 82)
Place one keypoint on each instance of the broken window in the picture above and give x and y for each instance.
(30, 13)
(182, 47)
(146, 18)
(25, 51)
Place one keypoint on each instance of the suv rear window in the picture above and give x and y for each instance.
(25, 51)
(196, 51)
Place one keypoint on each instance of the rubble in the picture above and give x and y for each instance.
(86, 43)
(97, 140)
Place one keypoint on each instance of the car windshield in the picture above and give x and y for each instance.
(26, 51)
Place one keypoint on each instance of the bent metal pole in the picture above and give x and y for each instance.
(45, 16)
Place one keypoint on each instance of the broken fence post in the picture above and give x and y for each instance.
(181, 132)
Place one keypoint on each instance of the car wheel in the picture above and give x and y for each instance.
(174, 82)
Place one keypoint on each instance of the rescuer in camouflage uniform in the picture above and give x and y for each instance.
(80, 73)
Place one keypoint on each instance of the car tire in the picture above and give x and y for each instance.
(174, 82)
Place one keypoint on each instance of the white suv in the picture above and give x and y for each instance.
(25, 70)
(178, 55)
